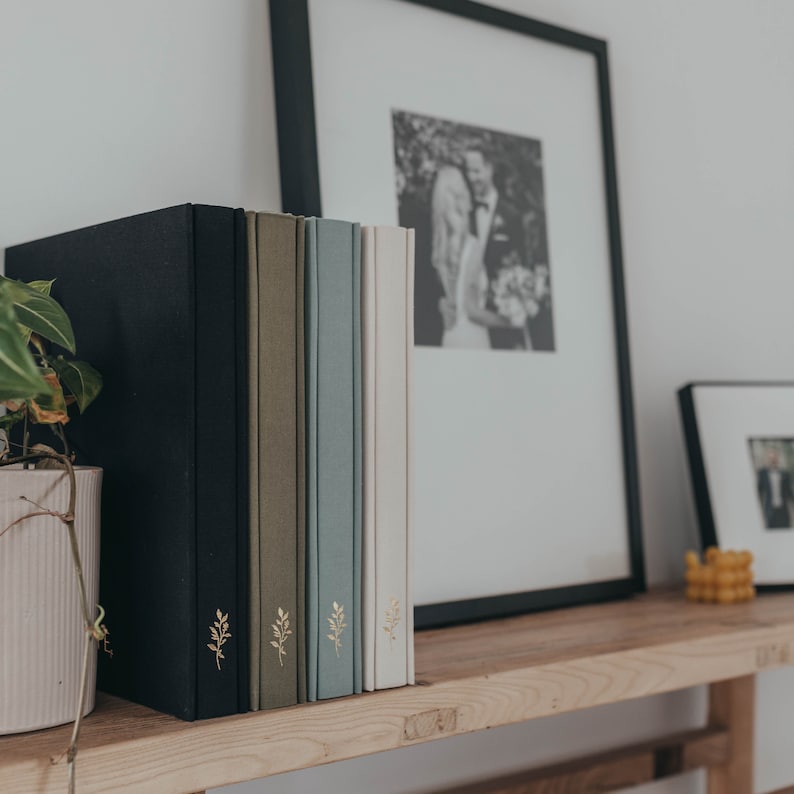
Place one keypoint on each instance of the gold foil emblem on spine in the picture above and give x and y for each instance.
(337, 626)
(281, 631)
(392, 620)
(219, 632)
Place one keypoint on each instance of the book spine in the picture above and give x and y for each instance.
(252, 315)
(311, 339)
(368, 349)
(409, 462)
(300, 440)
(358, 463)
(278, 487)
(391, 458)
(242, 447)
(335, 458)
(218, 625)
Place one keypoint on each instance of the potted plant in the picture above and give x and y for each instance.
(49, 522)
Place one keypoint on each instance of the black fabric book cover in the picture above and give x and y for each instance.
(157, 305)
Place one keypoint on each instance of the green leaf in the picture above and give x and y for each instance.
(10, 419)
(42, 286)
(40, 313)
(82, 380)
(20, 378)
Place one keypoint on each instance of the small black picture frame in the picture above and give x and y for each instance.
(306, 123)
(734, 431)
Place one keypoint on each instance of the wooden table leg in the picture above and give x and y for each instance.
(732, 706)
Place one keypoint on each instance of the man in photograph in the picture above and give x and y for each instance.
(774, 491)
(498, 229)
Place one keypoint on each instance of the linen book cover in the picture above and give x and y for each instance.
(280, 254)
(358, 469)
(154, 301)
(332, 491)
(241, 446)
(409, 391)
(387, 278)
(252, 318)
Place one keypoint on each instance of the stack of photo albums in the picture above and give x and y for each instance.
(330, 333)
(257, 493)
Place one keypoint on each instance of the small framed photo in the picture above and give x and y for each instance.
(740, 444)
(490, 134)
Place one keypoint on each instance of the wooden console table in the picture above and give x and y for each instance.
(469, 678)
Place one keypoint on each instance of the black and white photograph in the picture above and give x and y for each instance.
(773, 464)
(475, 197)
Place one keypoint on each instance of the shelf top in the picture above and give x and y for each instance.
(468, 678)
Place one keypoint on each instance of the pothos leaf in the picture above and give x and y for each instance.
(49, 409)
(44, 287)
(20, 378)
(80, 378)
(40, 313)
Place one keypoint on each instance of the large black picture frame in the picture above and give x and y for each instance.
(301, 194)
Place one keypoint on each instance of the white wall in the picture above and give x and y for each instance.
(112, 108)
(107, 109)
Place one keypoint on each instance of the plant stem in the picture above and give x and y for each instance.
(25, 436)
(71, 753)
(78, 568)
(57, 428)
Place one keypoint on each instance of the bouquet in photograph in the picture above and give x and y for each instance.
(519, 291)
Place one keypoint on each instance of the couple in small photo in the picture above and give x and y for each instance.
(475, 198)
(477, 238)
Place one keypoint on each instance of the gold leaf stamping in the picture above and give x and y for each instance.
(392, 620)
(219, 631)
(337, 625)
(281, 631)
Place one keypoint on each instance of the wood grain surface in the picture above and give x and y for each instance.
(471, 678)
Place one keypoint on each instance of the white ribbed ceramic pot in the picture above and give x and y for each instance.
(41, 623)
